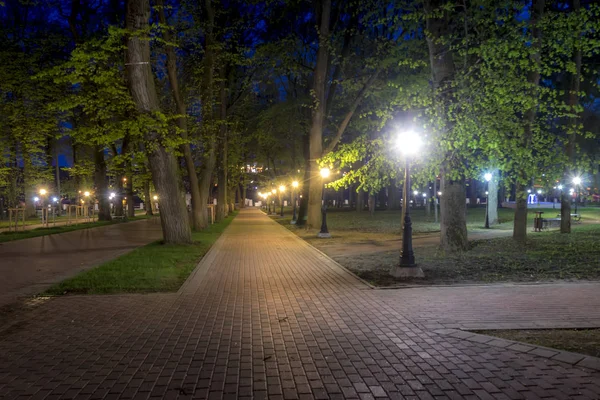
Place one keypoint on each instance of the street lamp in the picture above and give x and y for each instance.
(488, 178)
(408, 143)
(281, 191)
(294, 187)
(324, 233)
(274, 192)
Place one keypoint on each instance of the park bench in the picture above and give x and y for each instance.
(540, 223)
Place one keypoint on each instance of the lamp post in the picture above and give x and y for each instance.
(294, 187)
(281, 191)
(576, 182)
(488, 178)
(274, 192)
(324, 233)
(408, 143)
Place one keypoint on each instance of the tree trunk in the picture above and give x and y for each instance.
(573, 102)
(243, 196)
(140, 79)
(315, 191)
(492, 198)
(147, 199)
(197, 205)
(129, 191)
(453, 222)
(520, 222)
(222, 188)
(453, 226)
(393, 202)
(101, 183)
(360, 201)
(303, 191)
(371, 202)
(118, 200)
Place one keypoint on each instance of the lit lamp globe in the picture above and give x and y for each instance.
(295, 184)
(274, 191)
(325, 172)
(408, 143)
(43, 192)
(560, 187)
(86, 194)
(487, 177)
(281, 188)
(155, 197)
(577, 180)
(36, 199)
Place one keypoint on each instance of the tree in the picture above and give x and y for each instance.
(140, 79)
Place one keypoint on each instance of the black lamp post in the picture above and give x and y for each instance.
(408, 143)
(294, 187)
(324, 233)
(281, 190)
(488, 178)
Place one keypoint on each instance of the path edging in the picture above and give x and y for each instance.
(567, 357)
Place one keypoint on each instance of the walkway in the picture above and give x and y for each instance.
(29, 266)
(264, 316)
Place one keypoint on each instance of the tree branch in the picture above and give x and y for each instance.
(359, 98)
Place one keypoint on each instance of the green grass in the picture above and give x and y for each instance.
(583, 341)
(545, 256)
(388, 222)
(155, 267)
(9, 236)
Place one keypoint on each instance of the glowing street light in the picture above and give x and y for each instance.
(155, 197)
(324, 232)
(55, 199)
(408, 143)
(36, 199)
(86, 194)
(43, 192)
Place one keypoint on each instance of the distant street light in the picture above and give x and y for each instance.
(408, 143)
(294, 187)
(86, 194)
(155, 197)
(36, 199)
(43, 192)
(324, 233)
(488, 178)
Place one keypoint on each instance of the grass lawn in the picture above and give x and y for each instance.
(370, 246)
(545, 256)
(155, 267)
(584, 341)
(8, 236)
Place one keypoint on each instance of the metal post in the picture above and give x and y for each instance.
(281, 201)
(576, 197)
(487, 205)
(407, 256)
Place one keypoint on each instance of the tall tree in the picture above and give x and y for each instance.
(140, 79)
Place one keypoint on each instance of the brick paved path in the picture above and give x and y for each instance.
(29, 266)
(263, 316)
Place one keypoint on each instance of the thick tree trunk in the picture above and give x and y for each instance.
(360, 200)
(393, 202)
(371, 202)
(129, 191)
(453, 226)
(520, 223)
(453, 222)
(147, 199)
(315, 190)
(197, 206)
(140, 79)
(303, 191)
(30, 185)
(101, 183)
(492, 198)
(243, 197)
(573, 101)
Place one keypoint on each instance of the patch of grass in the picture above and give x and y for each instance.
(155, 267)
(545, 256)
(584, 341)
(9, 236)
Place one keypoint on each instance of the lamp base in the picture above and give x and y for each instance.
(293, 222)
(407, 272)
(324, 235)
